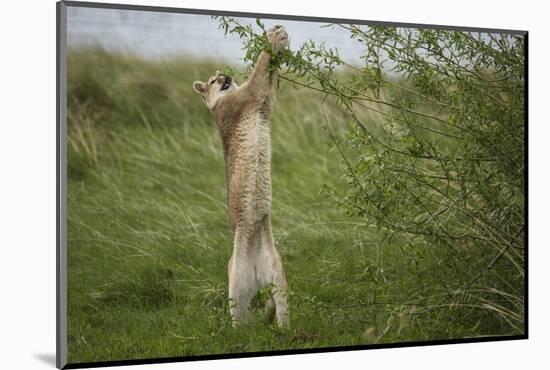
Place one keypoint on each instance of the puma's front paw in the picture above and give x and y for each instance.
(278, 38)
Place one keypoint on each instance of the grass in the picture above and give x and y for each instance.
(149, 240)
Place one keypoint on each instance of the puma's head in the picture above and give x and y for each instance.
(214, 88)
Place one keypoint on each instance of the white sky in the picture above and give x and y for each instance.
(156, 34)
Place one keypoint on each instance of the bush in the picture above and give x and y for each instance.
(434, 154)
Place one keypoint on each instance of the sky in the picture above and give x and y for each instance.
(158, 35)
(162, 35)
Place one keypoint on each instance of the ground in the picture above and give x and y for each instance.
(149, 238)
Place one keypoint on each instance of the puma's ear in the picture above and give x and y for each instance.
(199, 87)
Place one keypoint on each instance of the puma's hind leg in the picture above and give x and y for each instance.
(270, 271)
(242, 279)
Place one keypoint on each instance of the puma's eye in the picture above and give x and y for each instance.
(227, 83)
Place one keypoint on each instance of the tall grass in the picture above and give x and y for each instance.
(149, 240)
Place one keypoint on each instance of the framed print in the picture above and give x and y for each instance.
(235, 184)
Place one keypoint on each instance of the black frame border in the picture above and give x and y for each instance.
(61, 175)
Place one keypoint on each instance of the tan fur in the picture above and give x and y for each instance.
(243, 116)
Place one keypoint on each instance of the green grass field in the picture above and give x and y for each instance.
(149, 239)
